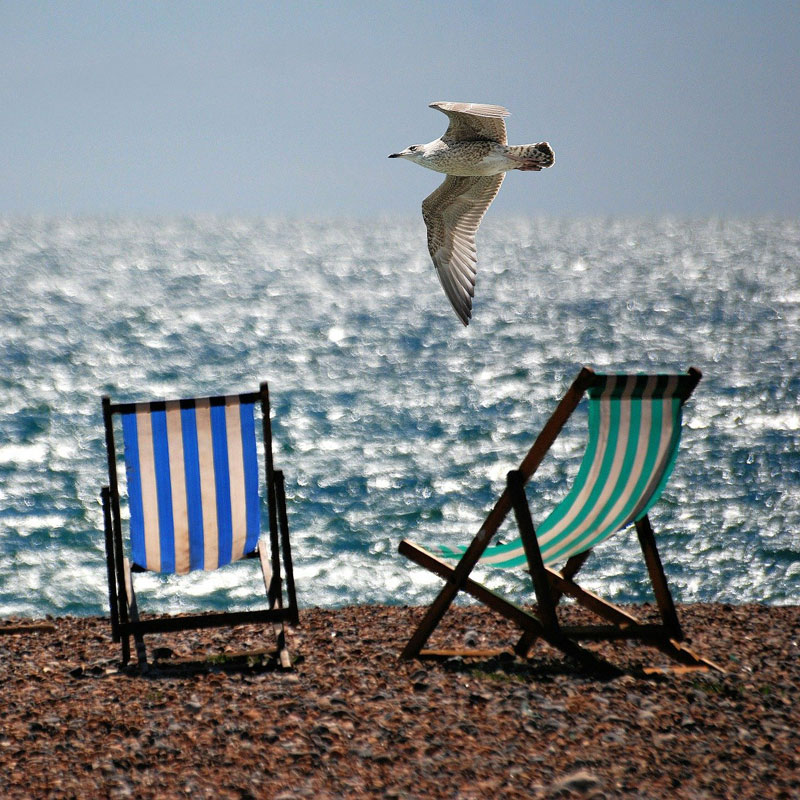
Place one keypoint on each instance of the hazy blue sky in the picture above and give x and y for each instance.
(292, 108)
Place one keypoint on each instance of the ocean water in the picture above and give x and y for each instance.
(390, 419)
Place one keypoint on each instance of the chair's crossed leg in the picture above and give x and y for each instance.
(532, 626)
(549, 587)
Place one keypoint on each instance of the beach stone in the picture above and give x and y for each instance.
(580, 781)
(471, 639)
(349, 723)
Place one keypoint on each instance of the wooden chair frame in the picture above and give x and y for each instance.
(551, 585)
(124, 612)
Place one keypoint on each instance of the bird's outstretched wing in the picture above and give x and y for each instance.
(471, 121)
(452, 215)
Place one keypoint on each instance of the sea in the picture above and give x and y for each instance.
(391, 420)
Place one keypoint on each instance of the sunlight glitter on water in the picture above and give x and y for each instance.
(390, 419)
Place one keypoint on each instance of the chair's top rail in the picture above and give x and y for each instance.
(189, 402)
(655, 386)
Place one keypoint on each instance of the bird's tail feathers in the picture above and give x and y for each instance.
(533, 156)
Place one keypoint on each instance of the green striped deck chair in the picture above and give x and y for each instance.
(634, 426)
(192, 490)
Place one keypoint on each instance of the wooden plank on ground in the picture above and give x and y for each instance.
(28, 627)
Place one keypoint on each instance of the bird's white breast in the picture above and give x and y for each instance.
(466, 158)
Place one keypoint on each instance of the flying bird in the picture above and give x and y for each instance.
(475, 155)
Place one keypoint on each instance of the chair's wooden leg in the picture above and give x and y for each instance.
(113, 600)
(126, 648)
(541, 583)
(283, 651)
(525, 643)
(683, 655)
(573, 566)
(455, 582)
(591, 601)
(567, 573)
(123, 604)
(666, 606)
(275, 588)
(286, 547)
(133, 613)
(278, 628)
(121, 578)
(544, 595)
(266, 571)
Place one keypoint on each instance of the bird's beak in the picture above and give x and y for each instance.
(395, 155)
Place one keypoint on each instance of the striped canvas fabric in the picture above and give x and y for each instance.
(192, 472)
(634, 431)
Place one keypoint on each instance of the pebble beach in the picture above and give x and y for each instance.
(214, 717)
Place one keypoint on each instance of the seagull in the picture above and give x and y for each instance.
(475, 155)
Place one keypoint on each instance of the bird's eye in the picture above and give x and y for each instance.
(413, 147)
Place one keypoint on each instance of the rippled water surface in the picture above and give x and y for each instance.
(390, 419)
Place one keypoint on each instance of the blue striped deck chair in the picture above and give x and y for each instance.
(634, 426)
(192, 490)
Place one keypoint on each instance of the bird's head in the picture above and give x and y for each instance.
(413, 153)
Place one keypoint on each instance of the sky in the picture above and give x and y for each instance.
(291, 108)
